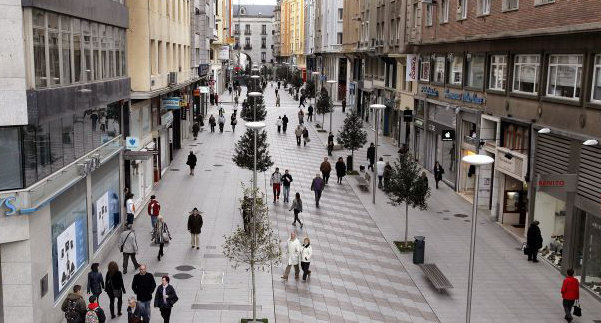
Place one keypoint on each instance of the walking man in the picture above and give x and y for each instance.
(297, 207)
(128, 245)
(154, 207)
(301, 116)
(325, 169)
(191, 162)
(310, 113)
(343, 105)
(284, 123)
(371, 156)
(278, 123)
(195, 227)
(195, 130)
(143, 286)
(381, 164)
(298, 132)
(317, 187)
(74, 306)
(286, 180)
(534, 241)
(294, 248)
(212, 123)
(301, 101)
(570, 293)
(275, 181)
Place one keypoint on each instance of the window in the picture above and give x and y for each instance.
(77, 45)
(439, 69)
(596, 91)
(444, 11)
(475, 71)
(263, 42)
(39, 49)
(236, 28)
(247, 29)
(429, 15)
(53, 50)
(263, 57)
(10, 152)
(424, 69)
(541, 2)
(65, 50)
(339, 38)
(456, 70)
(483, 7)
(461, 9)
(565, 75)
(525, 73)
(510, 5)
(415, 15)
(263, 29)
(498, 72)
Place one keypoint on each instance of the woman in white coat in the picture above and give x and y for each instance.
(294, 249)
(306, 253)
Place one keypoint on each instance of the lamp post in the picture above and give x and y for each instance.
(255, 95)
(331, 82)
(476, 161)
(255, 78)
(255, 126)
(377, 108)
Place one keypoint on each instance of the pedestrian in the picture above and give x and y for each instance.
(301, 116)
(233, 122)
(294, 248)
(306, 253)
(325, 169)
(380, 169)
(221, 121)
(570, 293)
(128, 245)
(340, 169)
(424, 178)
(239, 90)
(130, 208)
(438, 171)
(298, 132)
(330, 144)
(534, 241)
(161, 235)
(212, 98)
(74, 306)
(275, 182)
(216, 99)
(279, 84)
(143, 285)
(212, 123)
(134, 313)
(286, 180)
(191, 162)
(278, 123)
(154, 208)
(371, 156)
(221, 111)
(236, 103)
(114, 288)
(310, 113)
(387, 174)
(164, 298)
(195, 130)
(284, 123)
(95, 313)
(297, 207)
(306, 136)
(301, 101)
(195, 227)
(276, 92)
(277, 100)
(343, 105)
(317, 186)
(95, 280)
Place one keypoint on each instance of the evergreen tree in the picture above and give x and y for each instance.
(247, 113)
(244, 151)
(324, 105)
(352, 136)
(310, 89)
(407, 186)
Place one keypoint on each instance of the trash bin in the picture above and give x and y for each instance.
(419, 248)
(349, 163)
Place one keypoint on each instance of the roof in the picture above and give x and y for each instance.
(255, 10)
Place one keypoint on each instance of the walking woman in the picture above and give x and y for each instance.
(164, 298)
(161, 235)
(297, 206)
(305, 255)
(438, 171)
(191, 162)
(233, 122)
(306, 136)
(340, 169)
(95, 281)
(114, 288)
(570, 293)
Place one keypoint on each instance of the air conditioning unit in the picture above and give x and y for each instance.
(172, 78)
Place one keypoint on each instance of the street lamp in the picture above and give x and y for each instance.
(377, 108)
(476, 161)
(254, 77)
(255, 126)
(255, 95)
(331, 82)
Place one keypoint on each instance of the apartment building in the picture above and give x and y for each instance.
(293, 33)
(253, 32)
(277, 41)
(328, 45)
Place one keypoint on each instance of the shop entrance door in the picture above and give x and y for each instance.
(431, 150)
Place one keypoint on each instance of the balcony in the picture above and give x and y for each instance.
(248, 47)
(263, 47)
(236, 32)
(247, 32)
(237, 46)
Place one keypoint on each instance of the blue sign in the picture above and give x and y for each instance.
(81, 245)
(9, 205)
(429, 91)
(131, 143)
(463, 96)
(172, 103)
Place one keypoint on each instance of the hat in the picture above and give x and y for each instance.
(93, 299)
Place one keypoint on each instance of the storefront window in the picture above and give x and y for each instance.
(592, 279)
(105, 201)
(10, 154)
(448, 161)
(551, 214)
(69, 229)
(439, 69)
(456, 70)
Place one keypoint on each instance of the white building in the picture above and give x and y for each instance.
(328, 44)
(253, 32)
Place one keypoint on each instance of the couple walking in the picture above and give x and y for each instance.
(277, 180)
(298, 253)
(301, 131)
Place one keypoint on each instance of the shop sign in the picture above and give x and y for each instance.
(172, 103)
(556, 182)
(463, 96)
(411, 72)
(224, 52)
(204, 89)
(448, 135)
(8, 206)
(203, 69)
(132, 143)
(167, 119)
(419, 123)
(429, 91)
(196, 92)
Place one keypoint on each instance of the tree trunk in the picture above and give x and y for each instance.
(406, 223)
(323, 120)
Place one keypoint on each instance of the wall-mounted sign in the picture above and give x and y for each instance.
(172, 103)
(447, 135)
(8, 206)
(132, 143)
(429, 91)
(204, 89)
(556, 182)
(411, 72)
(203, 69)
(463, 96)
(224, 52)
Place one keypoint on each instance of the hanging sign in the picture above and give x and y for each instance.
(448, 135)
(411, 72)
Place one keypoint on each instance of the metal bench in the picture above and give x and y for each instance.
(364, 182)
(436, 277)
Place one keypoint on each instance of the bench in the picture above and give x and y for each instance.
(364, 182)
(436, 277)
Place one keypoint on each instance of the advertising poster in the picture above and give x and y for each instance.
(102, 217)
(66, 244)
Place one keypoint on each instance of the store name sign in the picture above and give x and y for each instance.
(463, 96)
(8, 206)
(429, 91)
(556, 182)
(551, 183)
(172, 103)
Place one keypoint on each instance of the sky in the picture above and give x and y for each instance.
(272, 2)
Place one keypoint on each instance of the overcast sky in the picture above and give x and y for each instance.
(235, 2)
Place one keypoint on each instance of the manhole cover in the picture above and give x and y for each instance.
(211, 247)
(182, 276)
(160, 274)
(175, 169)
(460, 215)
(446, 219)
(212, 277)
(185, 268)
(217, 165)
(207, 170)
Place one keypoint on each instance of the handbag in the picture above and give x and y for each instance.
(577, 309)
(525, 248)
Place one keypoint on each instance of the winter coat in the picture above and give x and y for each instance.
(154, 207)
(297, 205)
(143, 286)
(99, 312)
(285, 120)
(306, 253)
(387, 172)
(212, 121)
(570, 289)
(195, 223)
(317, 184)
(534, 239)
(380, 165)
(438, 171)
(221, 119)
(305, 133)
(330, 138)
(294, 248)
(80, 304)
(325, 167)
(340, 169)
(286, 180)
(195, 128)
(135, 315)
(95, 283)
(276, 178)
(278, 122)
(371, 154)
(298, 132)
(130, 245)
(114, 282)
(157, 233)
(310, 109)
(160, 302)
(191, 160)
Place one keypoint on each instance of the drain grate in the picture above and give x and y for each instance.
(185, 268)
(174, 169)
(217, 165)
(459, 215)
(182, 276)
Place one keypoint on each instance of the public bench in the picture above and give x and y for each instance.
(436, 277)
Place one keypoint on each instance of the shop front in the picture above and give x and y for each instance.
(166, 141)
(440, 141)
(512, 190)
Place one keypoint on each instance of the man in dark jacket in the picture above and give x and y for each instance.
(534, 241)
(194, 226)
(191, 162)
(286, 180)
(371, 156)
(317, 187)
(74, 306)
(165, 298)
(143, 286)
(284, 123)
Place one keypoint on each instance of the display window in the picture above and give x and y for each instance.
(592, 270)
(448, 161)
(551, 214)
(106, 213)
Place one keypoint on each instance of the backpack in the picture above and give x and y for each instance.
(72, 312)
(91, 317)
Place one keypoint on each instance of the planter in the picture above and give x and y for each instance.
(251, 320)
(404, 248)
(352, 172)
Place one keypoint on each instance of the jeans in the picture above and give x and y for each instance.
(276, 191)
(298, 140)
(166, 314)
(317, 197)
(380, 181)
(567, 308)
(326, 176)
(112, 304)
(306, 271)
(153, 220)
(212, 128)
(133, 260)
(286, 194)
(130, 218)
(145, 310)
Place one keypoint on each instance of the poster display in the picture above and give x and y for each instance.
(102, 217)
(70, 247)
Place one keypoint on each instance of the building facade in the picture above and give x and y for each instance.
(292, 31)
(277, 42)
(328, 46)
(253, 30)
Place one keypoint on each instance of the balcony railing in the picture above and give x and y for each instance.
(236, 46)
(248, 47)
(247, 32)
(236, 32)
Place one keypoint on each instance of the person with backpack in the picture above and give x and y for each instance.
(143, 285)
(191, 162)
(161, 235)
(154, 208)
(114, 287)
(164, 298)
(74, 306)
(95, 313)
(95, 281)
(128, 245)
